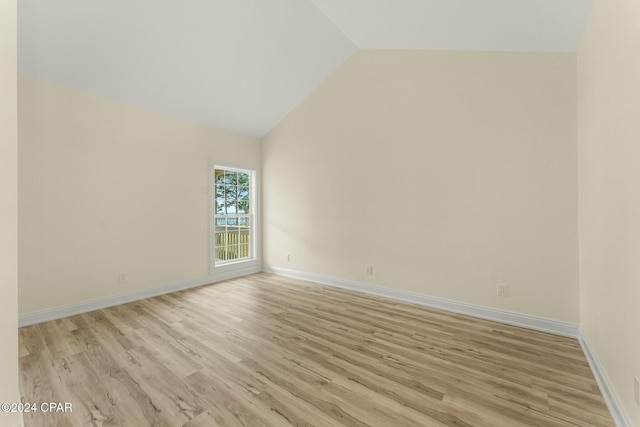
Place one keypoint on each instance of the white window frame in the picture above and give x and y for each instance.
(253, 259)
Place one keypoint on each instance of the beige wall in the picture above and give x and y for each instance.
(447, 172)
(8, 211)
(609, 153)
(108, 188)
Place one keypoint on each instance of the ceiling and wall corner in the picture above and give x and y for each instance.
(244, 65)
(238, 65)
(487, 25)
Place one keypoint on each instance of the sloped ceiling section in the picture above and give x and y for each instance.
(240, 65)
(489, 25)
(243, 65)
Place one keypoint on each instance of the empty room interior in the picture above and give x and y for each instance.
(320, 213)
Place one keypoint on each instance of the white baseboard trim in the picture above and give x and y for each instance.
(511, 318)
(110, 301)
(608, 393)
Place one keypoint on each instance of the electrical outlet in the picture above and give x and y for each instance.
(369, 270)
(636, 390)
(502, 290)
(288, 257)
(122, 277)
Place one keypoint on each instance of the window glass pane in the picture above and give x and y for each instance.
(219, 176)
(220, 205)
(243, 200)
(243, 251)
(244, 221)
(231, 252)
(231, 177)
(244, 237)
(243, 178)
(233, 193)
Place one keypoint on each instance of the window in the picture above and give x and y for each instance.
(233, 217)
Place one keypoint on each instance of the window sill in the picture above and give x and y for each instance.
(235, 265)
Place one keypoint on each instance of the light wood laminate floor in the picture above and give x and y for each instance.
(265, 350)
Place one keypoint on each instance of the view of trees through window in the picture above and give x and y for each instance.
(233, 214)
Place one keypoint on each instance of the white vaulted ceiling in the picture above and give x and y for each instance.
(236, 64)
(243, 65)
(490, 25)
